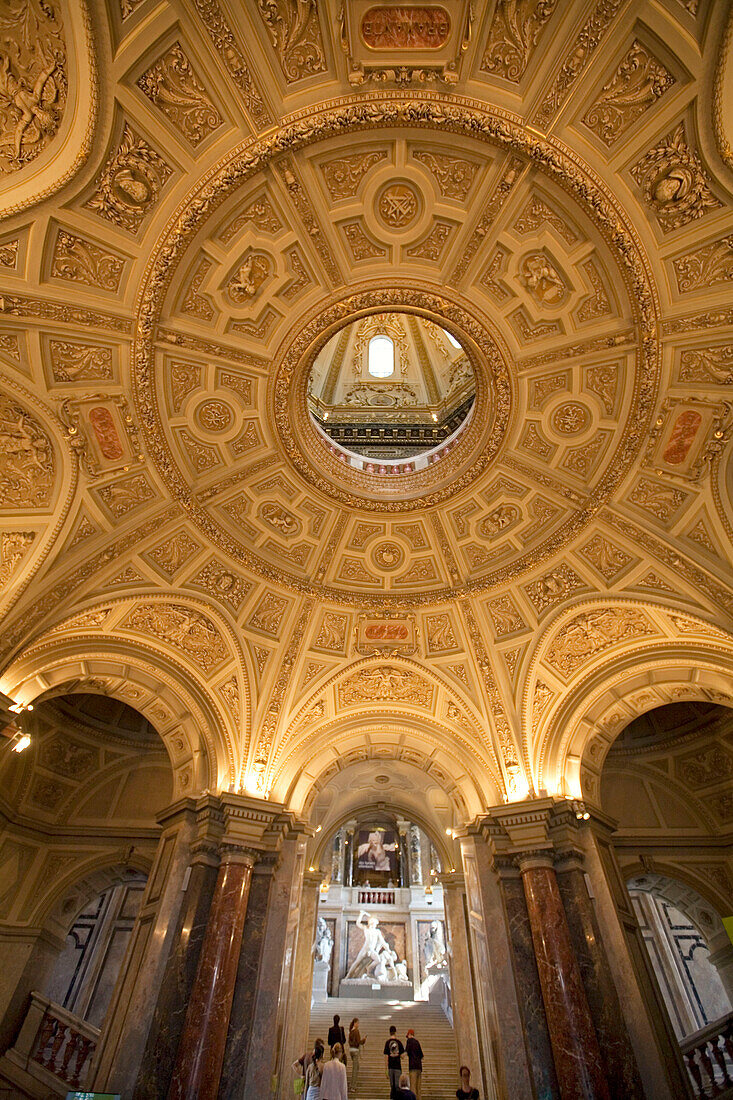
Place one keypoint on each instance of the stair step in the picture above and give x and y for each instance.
(432, 1028)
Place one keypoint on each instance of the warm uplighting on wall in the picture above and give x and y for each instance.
(517, 787)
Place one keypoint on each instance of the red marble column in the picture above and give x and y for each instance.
(201, 1047)
(575, 1049)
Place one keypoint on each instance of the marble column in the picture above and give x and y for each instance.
(129, 1018)
(252, 1040)
(657, 1051)
(337, 858)
(295, 1031)
(415, 857)
(576, 1053)
(462, 994)
(402, 827)
(528, 986)
(350, 828)
(159, 1058)
(721, 957)
(201, 1049)
(621, 1070)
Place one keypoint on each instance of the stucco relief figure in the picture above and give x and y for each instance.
(434, 953)
(368, 962)
(323, 947)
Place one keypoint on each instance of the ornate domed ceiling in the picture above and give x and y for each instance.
(193, 289)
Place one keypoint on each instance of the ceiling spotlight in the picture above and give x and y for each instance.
(318, 828)
(22, 743)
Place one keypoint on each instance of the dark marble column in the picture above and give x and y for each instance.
(156, 1069)
(248, 977)
(529, 988)
(201, 1049)
(621, 1070)
(577, 1057)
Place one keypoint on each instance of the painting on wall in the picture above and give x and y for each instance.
(377, 854)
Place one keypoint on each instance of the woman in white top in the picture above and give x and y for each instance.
(333, 1078)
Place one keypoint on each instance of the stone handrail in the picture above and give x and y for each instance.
(53, 1046)
(708, 1055)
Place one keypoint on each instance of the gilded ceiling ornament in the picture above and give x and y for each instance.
(713, 365)
(332, 633)
(431, 247)
(33, 82)
(554, 587)
(214, 415)
(122, 496)
(607, 558)
(638, 82)
(660, 500)
(301, 201)
(182, 627)
(592, 632)
(597, 304)
(27, 465)
(259, 213)
(537, 213)
(248, 279)
(269, 613)
(453, 175)
(230, 692)
(541, 278)
(270, 721)
(362, 248)
(499, 519)
(130, 182)
(222, 584)
(385, 683)
(674, 183)
(577, 58)
(513, 36)
(228, 49)
(705, 266)
(9, 254)
(296, 35)
(507, 181)
(176, 90)
(82, 261)
(14, 545)
(570, 418)
(439, 631)
(398, 205)
(72, 362)
(280, 519)
(344, 174)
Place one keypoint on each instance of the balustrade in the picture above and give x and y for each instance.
(53, 1042)
(708, 1055)
(374, 896)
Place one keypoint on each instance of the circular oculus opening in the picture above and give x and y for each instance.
(391, 392)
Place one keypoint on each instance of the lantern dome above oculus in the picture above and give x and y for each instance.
(391, 386)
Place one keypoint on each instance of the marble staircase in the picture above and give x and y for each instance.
(440, 1068)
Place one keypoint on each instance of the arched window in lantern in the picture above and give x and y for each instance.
(381, 357)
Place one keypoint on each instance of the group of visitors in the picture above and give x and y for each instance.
(321, 1080)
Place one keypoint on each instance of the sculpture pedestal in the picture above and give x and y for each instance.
(320, 982)
(369, 987)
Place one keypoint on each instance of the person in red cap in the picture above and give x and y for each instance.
(414, 1063)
